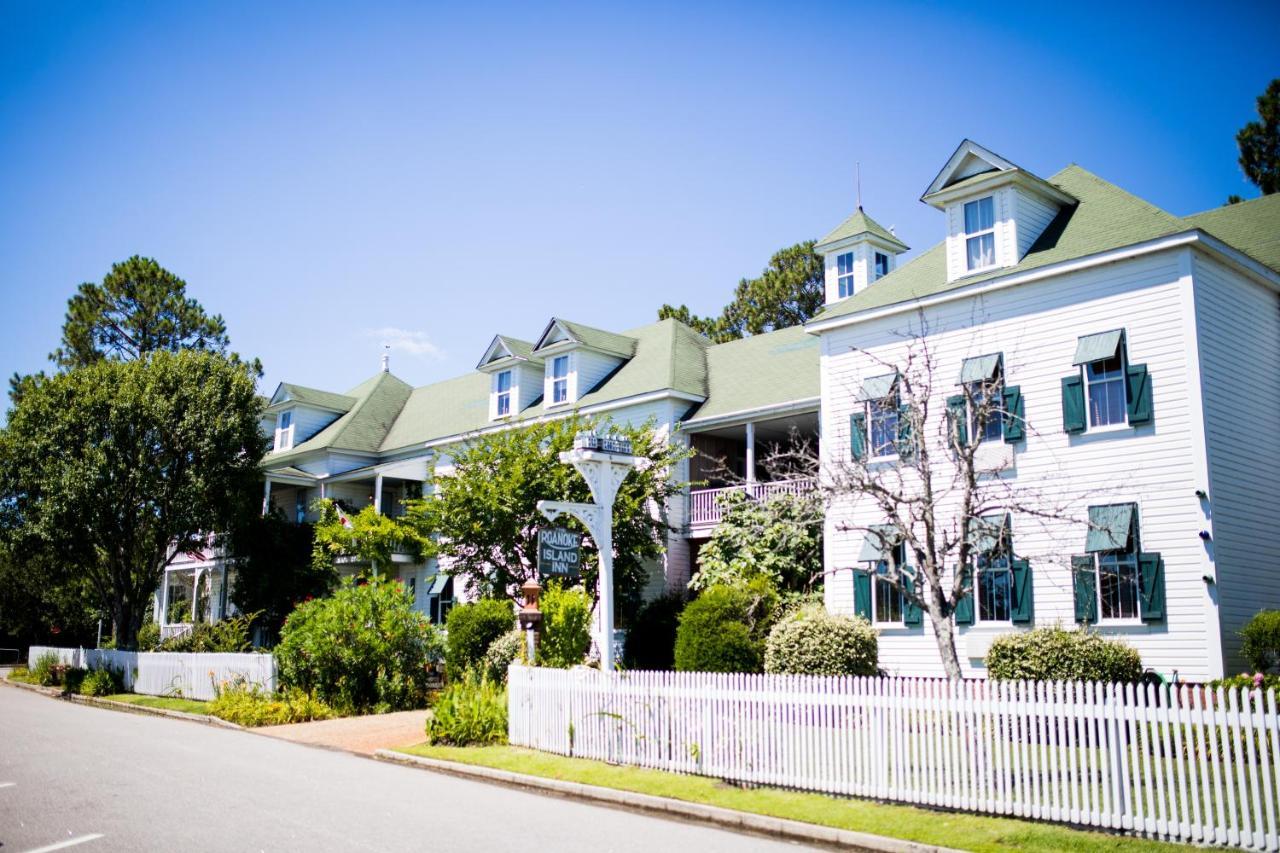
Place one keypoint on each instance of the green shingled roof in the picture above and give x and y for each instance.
(1252, 226)
(1105, 217)
(759, 371)
(377, 404)
(860, 223)
(597, 339)
(315, 397)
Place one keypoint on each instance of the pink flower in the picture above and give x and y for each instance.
(1257, 680)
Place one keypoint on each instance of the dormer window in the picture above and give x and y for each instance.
(844, 267)
(882, 265)
(503, 400)
(980, 233)
(560, 379)
(284, 431)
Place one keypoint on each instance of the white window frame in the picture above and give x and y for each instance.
(970, 236)
(875, 260)
(1132, 554)
(554, 387)
(844, 275)
(978, 390)
(893, 407)
(900, 552)
(979, 570)
(284, 430)
(502, 396)
(1121, 424)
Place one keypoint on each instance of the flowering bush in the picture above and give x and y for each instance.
(811, 641)
(1249, 681)
(501, 654)
(362, 649)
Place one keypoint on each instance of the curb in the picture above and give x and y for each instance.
(110, 705)
(791, 830)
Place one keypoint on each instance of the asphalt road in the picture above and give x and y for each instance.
(91, 780)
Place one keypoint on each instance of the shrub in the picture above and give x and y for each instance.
(472, 628)
(21, 673)
(233, 634)
(1249, 681)
(811, 641)
(566, 627)
(501, 654)
(651, 639)
(148, 637)
(250, 706)
(1261, 635)
(73, 678)
(723, 629)
(472, 710)
(103, 681)
(1057, 654)
(362, 649)
(45, 670)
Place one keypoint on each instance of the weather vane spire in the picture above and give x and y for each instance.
(858, 171)
(386, 358)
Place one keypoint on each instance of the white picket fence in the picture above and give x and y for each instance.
(190, 675)
(1177, 763)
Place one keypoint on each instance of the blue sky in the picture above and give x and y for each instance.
(330, 178)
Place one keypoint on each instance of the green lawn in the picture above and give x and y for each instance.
(190, 706)
(949, 829)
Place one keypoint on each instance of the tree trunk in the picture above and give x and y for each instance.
(944, 633)
(128, 621)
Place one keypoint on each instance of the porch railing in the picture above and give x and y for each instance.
(704, 504)
(176, 629)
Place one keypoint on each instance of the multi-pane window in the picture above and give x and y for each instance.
(882, 419)
(995, 586)
(986, 409)
(1118, 584)
(980, 233)
(504, 394)
(887, 597)
(882, 264)
(286, 420)
(560, 379)
(1105, 391)
(844, 274)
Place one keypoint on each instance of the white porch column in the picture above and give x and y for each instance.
(377, 494)
(323, 490)
(164, 601)
(751, 452)
(195, 594)
(266, 496)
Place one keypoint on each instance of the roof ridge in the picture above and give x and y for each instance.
(378, 381)
(1239, 205)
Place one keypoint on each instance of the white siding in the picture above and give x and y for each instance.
(1031, 215)
(1036, 327)
(1238, 326)
(587, 369)
(307, 422)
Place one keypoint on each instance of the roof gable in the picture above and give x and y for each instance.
(378, 402)
(314, 397)
(862, 224)
(502, 348)
(562, 331)
(969, 159)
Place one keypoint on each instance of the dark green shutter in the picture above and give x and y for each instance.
(958, 418)
(964, 607)
(1015, 422)
(862, 594)
(911, 612)
(1073, 403)
(858, 435)
(1022, 598)
(1139, 387)
(1085, 584)
(1151, 587)
(906, 441)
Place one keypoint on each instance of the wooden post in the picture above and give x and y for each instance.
(377, 494)
(751, 453)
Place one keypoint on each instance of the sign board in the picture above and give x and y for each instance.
(602, 443)
(559, 552)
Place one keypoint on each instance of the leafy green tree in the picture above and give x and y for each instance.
(368, 536)
(486, 509)
(787, 293)
(111, 470)
(1259, 143)
(779, 539)
(42, 601)
(274, 569)
(566, 626)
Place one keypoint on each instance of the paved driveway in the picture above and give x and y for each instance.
(364, 735)
(89, 779)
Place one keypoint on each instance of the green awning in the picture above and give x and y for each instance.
(980, 368)
(1110, 528)
(881, 538)
(986, 532)
(1099, 346)
(877, 387)
(437, 585)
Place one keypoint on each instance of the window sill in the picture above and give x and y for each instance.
(1109, 428)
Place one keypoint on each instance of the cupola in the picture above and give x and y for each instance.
(857, 253)
(995, 209)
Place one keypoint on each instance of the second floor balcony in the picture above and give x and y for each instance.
(705, 508)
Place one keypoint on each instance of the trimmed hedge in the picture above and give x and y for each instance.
(651, 639)
(811, 641)
(472, 629)
(1057, 654)
(566, 627)
(724, 628)
(1261, 647)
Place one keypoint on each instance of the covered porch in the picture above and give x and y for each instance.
(196, 589)
(734, 457)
